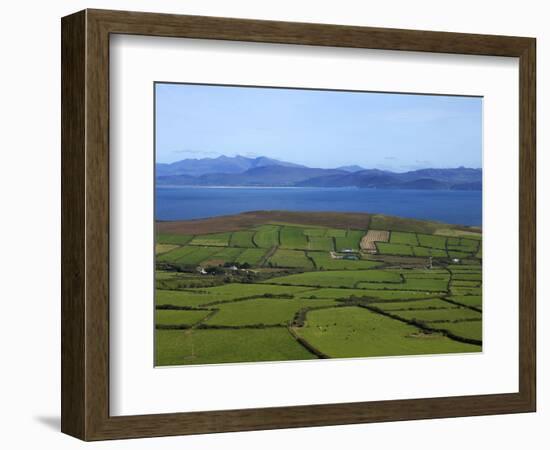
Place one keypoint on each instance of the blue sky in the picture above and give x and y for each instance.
(325, 129)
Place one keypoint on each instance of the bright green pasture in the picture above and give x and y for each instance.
(394, 249)
(410, 284)
(165, 275)
(263, 311)
(179, 347)
(434, 303)
(468, 300)
(426, 273)
(321, 244)
(323, 261)
(458, 233)
(331, 293)
(203, 296)
(379, 295)
(242, 239)
(293, 237)
(178, 316)
(351, 240)
(188, 255)
(164, 248)
(336, 233)
(433, 241)
(458, 254)
(315, 232)
(335, 278)
(252, 256)
(179, 239)
(460, 249)
(184, 298)
(425, 251)
(402, 294)
(398, 237)
(464, 276)
(429, 284)
(465, 283)
(357, 332)
(212, 240)
(227, 254)
(463, 268)
(240, 290)
(453, 241)
(267, 236)
(471, 244)
(460, 290)
(291, 258)
(470, 329)
(430, 315)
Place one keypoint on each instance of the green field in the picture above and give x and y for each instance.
(229, 254)
(179, 239)
(242, 239)
(429, 304)
(323, 261)
(293, 237)
(164, 248)
(427, 251)
(439, 315)
(471, 330)
(350, 240)
(290, 258)
(353, 332)
(264, 311)
(214, 240)
(325, 244)
(180, 347)
(252, 256)
(398, 237)
(291, 289)
(267, 236)
(175, 317)
(338, 278)
(190, 255)
(394, 249)
(468, 300)
(428, 240)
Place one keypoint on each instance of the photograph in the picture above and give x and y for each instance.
(301, 224)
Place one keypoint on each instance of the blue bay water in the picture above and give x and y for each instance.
(455, 207)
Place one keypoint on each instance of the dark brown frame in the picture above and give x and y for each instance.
(85, 224)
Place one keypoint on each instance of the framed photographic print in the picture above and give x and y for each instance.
(313, 224)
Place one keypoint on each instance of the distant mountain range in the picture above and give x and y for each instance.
(262, 171)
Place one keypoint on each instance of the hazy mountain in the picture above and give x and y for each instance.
(457, 179)
(352, 168)
(262, 171)
(258, 176)
(221, 164)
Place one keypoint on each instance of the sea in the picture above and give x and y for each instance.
(454, 207)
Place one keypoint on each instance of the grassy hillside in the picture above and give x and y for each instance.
(276, 285)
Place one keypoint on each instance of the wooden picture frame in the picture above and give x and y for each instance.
(85, 224)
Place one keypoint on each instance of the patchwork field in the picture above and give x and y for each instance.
(271, 286)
